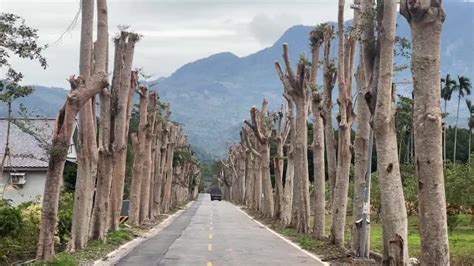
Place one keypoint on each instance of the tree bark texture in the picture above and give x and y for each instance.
(426, 19)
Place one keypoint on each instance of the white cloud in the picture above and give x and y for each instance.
(187, 33)
(267, 29)
(175, 32)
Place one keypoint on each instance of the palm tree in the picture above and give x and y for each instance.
(464, 88)
(447, 89)
(470, 107)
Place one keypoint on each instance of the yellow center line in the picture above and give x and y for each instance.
(210, 228)
(210, 236)
(209, 247)
(209, 263)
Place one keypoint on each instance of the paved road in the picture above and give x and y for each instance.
(215, 234)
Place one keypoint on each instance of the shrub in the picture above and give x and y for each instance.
(66, 205)
(10, 219)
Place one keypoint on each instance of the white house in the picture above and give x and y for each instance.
(24, 173)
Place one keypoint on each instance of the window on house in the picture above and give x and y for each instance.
(18, 179)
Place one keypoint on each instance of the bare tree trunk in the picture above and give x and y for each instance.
(65, 124)
(139, 145)
(134, 205)
(162, 177)
(330, 75)
(158, 177)
(393, 214)
(258, 184)
(297, 86)
(147, 160)
(262, 125)
(278, 170)
(319, 172)
(268, 204)
(252, 158)
(362, 172)
(249, 179)
(301, 166)
(319, 169)
(104, 173)
(364, 135)
(280, 134)
(426, 21)
(166, 204)
(242, 175)
(287, 201)
(87, 154)
(345, 62)
(287, 206)
(126, 81)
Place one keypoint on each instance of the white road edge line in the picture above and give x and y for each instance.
(122, 251)
(284, 238)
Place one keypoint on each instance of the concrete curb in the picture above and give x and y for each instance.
(114, 256)
(284, 238)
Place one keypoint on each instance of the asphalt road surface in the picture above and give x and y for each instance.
(216, 234)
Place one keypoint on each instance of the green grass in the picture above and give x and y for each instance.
(461, 239)
(95, 249)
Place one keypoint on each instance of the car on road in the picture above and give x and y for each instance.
(216, 194)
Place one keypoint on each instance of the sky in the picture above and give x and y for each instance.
(175, 32)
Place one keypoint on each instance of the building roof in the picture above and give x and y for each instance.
(29, 141)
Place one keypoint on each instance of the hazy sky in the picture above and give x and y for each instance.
(175, 32)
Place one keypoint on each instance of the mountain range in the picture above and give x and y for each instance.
(213, 95)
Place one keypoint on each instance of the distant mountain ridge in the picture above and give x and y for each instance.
(212, 96)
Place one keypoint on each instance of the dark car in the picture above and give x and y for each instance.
(216, 194)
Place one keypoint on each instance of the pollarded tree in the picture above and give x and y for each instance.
(346, 52)
(81, 92)
(262, 125)
(237, 165)
(280, 135)
(160, 161)
(330, 75)
(173, 138)
(139, 147)
(317, 38)
(254, 189)
(104, 167)
(394, 215)
(297, 86)
(426, 19)
(158, 145)
(147, 162)
(248, 171)
(83, 89)
(363, 141)
(113, 122)
(286, 212)
(124, 83)
(231, 173)
(87, 155)
(319, 168)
